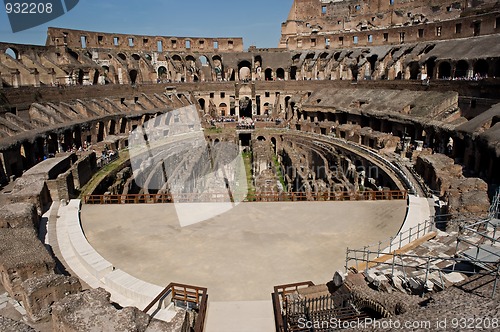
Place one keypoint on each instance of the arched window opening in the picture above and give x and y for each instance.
(133, 76)
(223, 109)
(258, 61)
(481, 69)
(246, 107)
(414, 70)
(444, 70)
(461, 69)
(80, 77)
(244, 70)
(13, 53)
(203, 60)
(280, 74)
(201, 101)
(268, 74)
(95, 81)
(373, 62)
(293, 73)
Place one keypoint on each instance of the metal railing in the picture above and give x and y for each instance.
(494, 211)
(254, 197)
(322, 306)
(475, 235)
(374, 251)
(193, 297)
(279, 305)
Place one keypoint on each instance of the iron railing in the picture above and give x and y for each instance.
(279, 305)
(193, 297)
(254, 197)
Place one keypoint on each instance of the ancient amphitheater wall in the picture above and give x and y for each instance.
(79, 39)
(318, 25)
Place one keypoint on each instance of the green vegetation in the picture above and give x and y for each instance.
(247, 160)
(277, 167)
(213, 130)
(103, 173)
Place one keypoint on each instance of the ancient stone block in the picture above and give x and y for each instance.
(30, 189)
(338, 278)
(22, 256)
(92, 311)
(179, 323)
(9, 325)
(467, 197)
(39, 293)
(438, 170)
(19, 215)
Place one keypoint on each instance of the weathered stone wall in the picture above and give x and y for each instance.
(91, 311)
(317, 25)
(29, 189)
(39, 293)
(19, 215)
(62, 187)
(467, 197)
(22, 256)
(84, 169)
(78, 39)
(438, 171)
(464, 196)
(9, 325)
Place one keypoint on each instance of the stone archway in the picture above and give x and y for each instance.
(13, 53)
(162, 72)
(244, 70)
(444, 70)
(223, 109)
(414, 68)
(245, 107)
(201, 101)
(133, 74)
(293, 72)
(481, 68)
(280, 74)
(268, 74)
(461, 69)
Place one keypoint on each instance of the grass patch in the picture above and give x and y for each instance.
(247, 160)
(103, 173)
(213, 130)
(277, 167)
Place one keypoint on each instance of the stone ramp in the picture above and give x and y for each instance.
(92, 268)
(241, 316)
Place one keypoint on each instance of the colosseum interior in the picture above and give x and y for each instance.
(351, 173)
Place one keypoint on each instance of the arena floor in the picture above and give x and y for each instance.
(241, 254)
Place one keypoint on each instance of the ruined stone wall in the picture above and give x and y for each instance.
(23, 256)
(84, 169)
(19, 215)
(316, 25)
(62, 187)
(464, 196)
(78, 39)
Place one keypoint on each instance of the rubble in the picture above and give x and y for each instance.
(22, 256)
(39, 293)
(19, 215)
